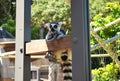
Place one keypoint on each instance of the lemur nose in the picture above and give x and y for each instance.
(52, 29)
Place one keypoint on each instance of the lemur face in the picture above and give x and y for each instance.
(54, 26)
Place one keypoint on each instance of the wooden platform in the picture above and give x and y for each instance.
(40, 46)
(6, 79)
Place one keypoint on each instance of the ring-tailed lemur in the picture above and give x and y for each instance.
(54, 31)
(66, 67)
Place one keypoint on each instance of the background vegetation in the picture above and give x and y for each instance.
(107, 73)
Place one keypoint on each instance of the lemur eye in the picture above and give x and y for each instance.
(50, 26)
(55, 26)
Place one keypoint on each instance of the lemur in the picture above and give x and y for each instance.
(66, 66)
(55, 32)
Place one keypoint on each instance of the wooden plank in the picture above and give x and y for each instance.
(6, 79)
(32, 56)
(7, 53)
(42, 56)
(43, 79)
(7, 44)
(11, 55)
(41, 46)
(99, 55)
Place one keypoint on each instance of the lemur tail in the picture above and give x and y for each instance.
(66, 67)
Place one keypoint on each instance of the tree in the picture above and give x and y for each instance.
(7, 8)
(44, 11)
(97, 6)
(100, 20)
(7, 15)
(111, 13)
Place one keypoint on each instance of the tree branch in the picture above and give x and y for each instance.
(96, 46)
(107, 25)
(106, 48)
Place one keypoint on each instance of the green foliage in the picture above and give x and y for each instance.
(111, 13)
(9, 24)
(7, 8)
(107, 73)
(97, 6)
(44, 11)
(112, 10)
(35, 32)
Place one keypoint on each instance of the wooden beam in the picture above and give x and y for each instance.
(11, 54)
(7, 44)
(42, 46)
(8, 53)
(99, 55)
(32, 56)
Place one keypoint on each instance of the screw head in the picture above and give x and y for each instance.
(75, 39)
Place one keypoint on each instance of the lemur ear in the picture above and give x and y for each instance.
(60, 23)
(47, 25)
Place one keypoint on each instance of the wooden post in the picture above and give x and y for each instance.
(80, 40)
(22, 61)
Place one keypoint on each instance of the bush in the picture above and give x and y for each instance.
(107, 73)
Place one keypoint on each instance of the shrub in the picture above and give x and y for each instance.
(106, 73)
